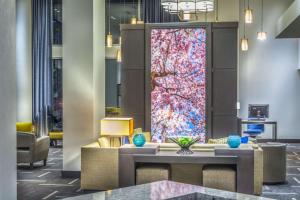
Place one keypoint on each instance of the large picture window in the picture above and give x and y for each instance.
(178, 83)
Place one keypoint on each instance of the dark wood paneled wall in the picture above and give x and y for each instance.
(133, 73)
(222, 75)
(224, 79)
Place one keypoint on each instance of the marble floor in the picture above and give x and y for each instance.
(46, 182)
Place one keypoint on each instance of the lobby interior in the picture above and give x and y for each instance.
(149, 99)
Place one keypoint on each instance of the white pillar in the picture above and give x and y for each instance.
(83, 76)
(24, 60)
(8, 172)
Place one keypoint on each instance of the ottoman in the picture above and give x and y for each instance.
(274, 162)
(219, 177)
(148, 174)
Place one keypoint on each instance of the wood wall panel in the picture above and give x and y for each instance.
(222, 75)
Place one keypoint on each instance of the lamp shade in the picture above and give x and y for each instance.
(248, 16)
(116, 127)
(262, 35)
(133, 20)
(119, 56)
(244, 44)
(109, 40)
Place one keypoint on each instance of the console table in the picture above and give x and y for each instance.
(242, 158)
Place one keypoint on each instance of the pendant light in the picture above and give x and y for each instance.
(133, 19)
(244, 40)
(119, 56)
(217, 11)
(248, 15)
(139, 21)
(109, 37)
(262, 35)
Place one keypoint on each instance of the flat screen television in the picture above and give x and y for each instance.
(258, 111)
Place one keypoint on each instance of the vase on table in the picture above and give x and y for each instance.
(234, 141)
(139, 139)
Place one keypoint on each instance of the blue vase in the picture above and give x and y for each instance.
(139, 140)
(244, 140)
(234, 141)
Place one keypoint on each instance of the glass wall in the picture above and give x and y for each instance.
(56, 119)
(57, 22)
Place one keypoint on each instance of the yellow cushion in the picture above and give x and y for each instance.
(105, 142)
(218, 141)
(24, 126)
(56, 135)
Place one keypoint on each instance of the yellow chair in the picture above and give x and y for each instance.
(55, 136)
(25, 127)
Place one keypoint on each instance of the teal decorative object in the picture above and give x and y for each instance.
(234, 141)
(139, 139)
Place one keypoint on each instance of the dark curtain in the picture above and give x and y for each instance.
(41, 63)
(153, 12)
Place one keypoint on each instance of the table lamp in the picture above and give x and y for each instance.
(121, 128)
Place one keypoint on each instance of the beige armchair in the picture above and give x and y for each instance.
(31, 149)
(99, 167)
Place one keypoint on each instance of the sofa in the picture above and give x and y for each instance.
(99, 166)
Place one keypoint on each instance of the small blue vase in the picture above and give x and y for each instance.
(139, 140)
(234, 141)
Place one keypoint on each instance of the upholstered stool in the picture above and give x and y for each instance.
(274, 164)
(187, 173)
(148, 174)
(55, 136)
(219, 177)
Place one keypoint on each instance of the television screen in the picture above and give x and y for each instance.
(178, 83)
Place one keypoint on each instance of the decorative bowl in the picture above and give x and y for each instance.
(185, 143)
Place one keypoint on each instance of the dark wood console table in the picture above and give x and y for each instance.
(242, 158)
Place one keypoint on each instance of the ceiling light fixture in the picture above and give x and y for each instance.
(133, 18)
(185, 9)
(244, 40)
(217, 11)
(262, 35)
(248, 14)
(109, 37)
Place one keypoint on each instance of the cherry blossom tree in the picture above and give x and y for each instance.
(178, 83)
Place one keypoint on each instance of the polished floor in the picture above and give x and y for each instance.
(46, 183)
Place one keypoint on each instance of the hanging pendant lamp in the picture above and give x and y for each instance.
(262, 35)
(244, 40)
(248, 15)
(109, 37)
(133, 19)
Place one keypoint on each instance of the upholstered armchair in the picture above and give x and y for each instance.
(31, 149)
